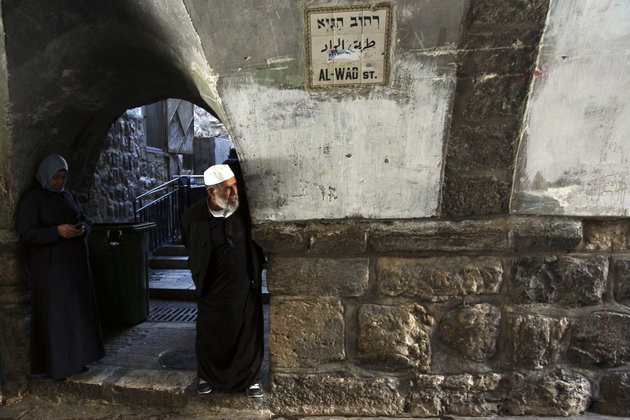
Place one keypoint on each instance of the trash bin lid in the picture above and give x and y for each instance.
(125, 226)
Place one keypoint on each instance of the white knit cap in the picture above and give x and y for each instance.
(216, 174)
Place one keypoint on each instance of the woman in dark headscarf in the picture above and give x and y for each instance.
(66, 333)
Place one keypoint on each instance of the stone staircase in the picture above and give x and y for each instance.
(169, 277)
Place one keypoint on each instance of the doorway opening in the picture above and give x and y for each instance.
(147, 148)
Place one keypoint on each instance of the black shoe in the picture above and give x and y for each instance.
(203, 387)
(254, 391)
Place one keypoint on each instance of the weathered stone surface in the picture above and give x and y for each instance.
(607, 234)
(337, 238)
(403, 236)
(533, 340)
(614, 394)
(438, 278)
(393, 337)
(281, 238)
(558, 393)
(305, 333)
(318, 276)
(497, 12)
(336, 394)
(471, 331)
(466, 196)
(488, 95)
(10, 270)
(506, 61)
(533, 234)
(481, 146)
(621, 281)
(460, 395)
(601, 340)
(567, 281)
(14, 348)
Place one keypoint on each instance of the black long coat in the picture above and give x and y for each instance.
(66, 332)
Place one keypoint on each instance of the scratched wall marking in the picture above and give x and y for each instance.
(348, 46)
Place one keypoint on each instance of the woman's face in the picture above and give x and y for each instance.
(58, 180)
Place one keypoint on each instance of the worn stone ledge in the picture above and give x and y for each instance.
(395, 337)
(305, 333)
(337, 238)
(281, 238)
(414, 236)
(540, 234)
(503, 234)
(317, 276)
(438, 278)
(566, 281)
(331, 395)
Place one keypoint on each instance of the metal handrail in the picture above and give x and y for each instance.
(164, 205)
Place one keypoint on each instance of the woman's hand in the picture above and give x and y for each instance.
(70, 231)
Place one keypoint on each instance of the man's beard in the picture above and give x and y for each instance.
(225, 205)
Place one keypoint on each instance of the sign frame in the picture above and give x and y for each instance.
(356, 67)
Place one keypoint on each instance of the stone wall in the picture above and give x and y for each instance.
(512, 316)
(124, 170)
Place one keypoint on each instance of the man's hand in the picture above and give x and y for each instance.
(69, 231)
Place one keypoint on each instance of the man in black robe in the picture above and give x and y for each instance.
(226, 267)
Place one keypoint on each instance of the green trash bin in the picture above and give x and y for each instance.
(119, 262)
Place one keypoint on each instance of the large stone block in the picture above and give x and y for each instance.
(337, 238)
(305, 333)
(535, 234)
(558, 393)
(621, 281)
(412, 236)
(336, 394)
(459, 395)
(318, 276)
(472, 331)
(281, 238)
(440, 278)
(533, 341)
(567, 281)
(602, 339)
(394, 337)
(607, 234)
(614, 394)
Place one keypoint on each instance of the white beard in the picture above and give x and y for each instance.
(227, 207)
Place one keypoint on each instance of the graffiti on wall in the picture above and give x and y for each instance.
(348, 46)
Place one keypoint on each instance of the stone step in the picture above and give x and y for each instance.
(172, 391)
(171, 250)
(168, 262)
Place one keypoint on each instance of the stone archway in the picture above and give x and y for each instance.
(68, 72)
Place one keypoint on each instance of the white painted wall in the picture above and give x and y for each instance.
(336, 153)
(577, 132)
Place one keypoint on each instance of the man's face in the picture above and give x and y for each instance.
(225, 194)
